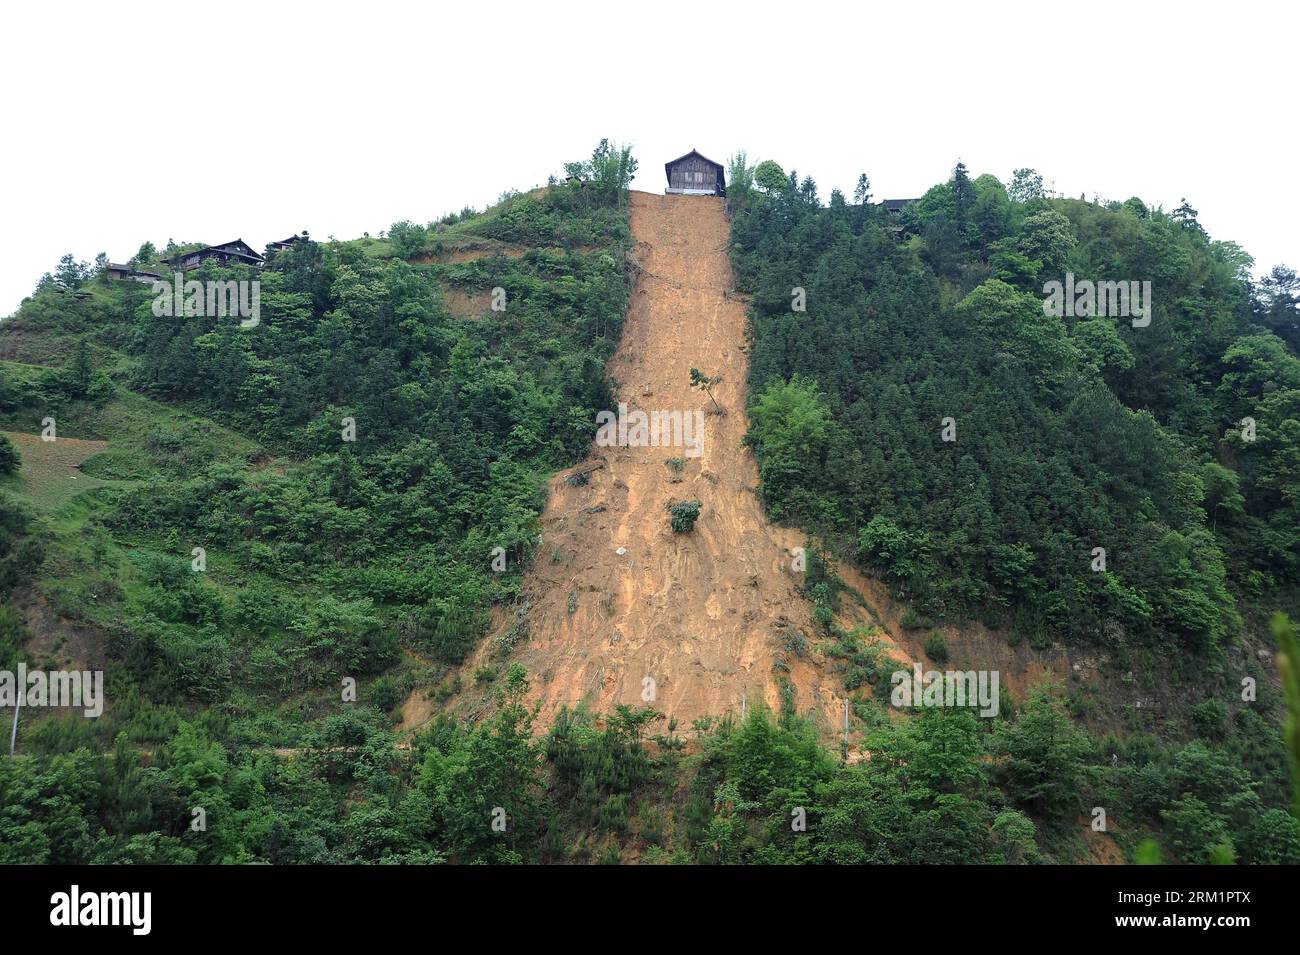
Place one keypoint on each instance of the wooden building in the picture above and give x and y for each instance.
(892, 208)
(227, 252)
(126, 273)
(895, 206)
(695, 175)
(281, 244)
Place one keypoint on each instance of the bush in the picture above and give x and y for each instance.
(684, 516)
(386, 693)
(1208, 718)
(936, 648)
(10, 459)
(408, 239)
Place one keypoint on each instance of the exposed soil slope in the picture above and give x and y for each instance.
(706, 614)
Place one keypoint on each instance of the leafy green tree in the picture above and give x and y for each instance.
(1015, 835)
(684, 514)
(409, 240)
(862, 191)
(1047, 237)
(790, 429)
(1040, 755)
(1026, 186)
(769, 176)
(705, 383)
(1195, 832)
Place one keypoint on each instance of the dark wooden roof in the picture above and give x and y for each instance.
(237, 247)
(281, 244)
(894, 205)
(118, 267)
(672, 162)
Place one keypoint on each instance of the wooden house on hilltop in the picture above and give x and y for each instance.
(895, 206)
(281, 244)
(227, 252)
(892, 209)
(127, 273)
(695, 175)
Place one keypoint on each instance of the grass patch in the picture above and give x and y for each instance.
(51, 474)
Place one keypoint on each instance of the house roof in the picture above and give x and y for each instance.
(233, 247)
(119, 267)
(893, 205)
(672, 162)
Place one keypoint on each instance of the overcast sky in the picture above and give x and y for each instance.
(210, 122)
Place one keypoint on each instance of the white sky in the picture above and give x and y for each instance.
(209, 122)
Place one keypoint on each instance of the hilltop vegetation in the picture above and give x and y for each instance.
(1066, 434)
(347, 468)
(927, 419)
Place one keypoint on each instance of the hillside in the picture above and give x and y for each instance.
(366, 581)
(615, 597)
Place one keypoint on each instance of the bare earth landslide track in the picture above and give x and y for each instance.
(704, 614)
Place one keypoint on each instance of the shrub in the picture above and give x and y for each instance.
(936, 648)
(10, 460)
(684, 516)
(385, 693)
(1208, 717)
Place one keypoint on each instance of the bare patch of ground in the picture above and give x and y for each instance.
(55, 641)
(1102, 847)
(971, 645)
(615, 598)
(466, 304)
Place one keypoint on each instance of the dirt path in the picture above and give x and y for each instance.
(705, 614)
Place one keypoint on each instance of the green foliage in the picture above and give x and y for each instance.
(1288, 665)
(1069, 434)
(769, 176)
(790, 430)
(936, 648)
(705, 383)
(1041, 755)
(10, 459)
(609, 172)
(684, 514)
(21, 547)
(740, 178)
(326, 558)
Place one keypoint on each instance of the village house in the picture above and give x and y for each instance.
(281, 244)
(127, 273)
(895, 206)
(695, 175)
(227, 252)
(892, 208)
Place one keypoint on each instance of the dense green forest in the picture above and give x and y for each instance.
(345, 472)
(916, 407)
(1068, 435)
